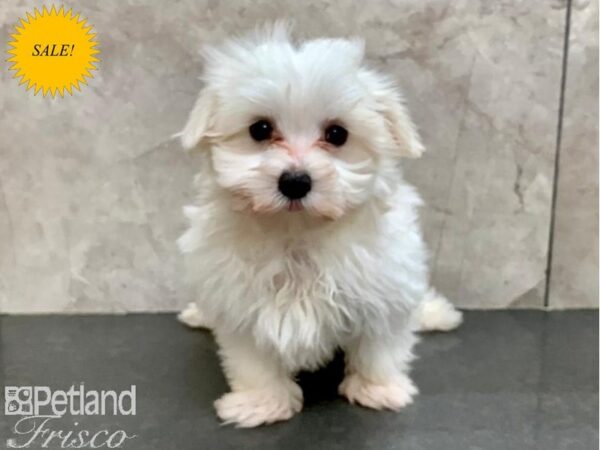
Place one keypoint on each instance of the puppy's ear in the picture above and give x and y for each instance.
(200, 120)
(400, 125)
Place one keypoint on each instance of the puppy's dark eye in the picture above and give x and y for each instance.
(261, 130)
(336, 135)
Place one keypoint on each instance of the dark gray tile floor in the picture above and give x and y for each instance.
(504, 380)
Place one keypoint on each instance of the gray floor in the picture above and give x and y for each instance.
(505, 380)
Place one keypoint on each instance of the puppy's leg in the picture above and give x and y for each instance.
(377, 371)
(262, 392)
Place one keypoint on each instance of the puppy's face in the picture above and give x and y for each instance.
(299, 127)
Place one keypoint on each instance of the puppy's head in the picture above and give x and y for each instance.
(299, 126)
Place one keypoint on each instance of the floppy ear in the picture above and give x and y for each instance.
(400, 125)
(200, 120)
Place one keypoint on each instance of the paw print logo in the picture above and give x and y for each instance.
(18, 400)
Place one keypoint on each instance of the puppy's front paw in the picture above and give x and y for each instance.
(251, 408)
(392, 395)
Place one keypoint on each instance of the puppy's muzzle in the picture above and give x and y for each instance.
(294, 185)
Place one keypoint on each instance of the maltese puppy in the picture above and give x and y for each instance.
(305, 238)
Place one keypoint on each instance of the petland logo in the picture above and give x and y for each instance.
(41, 407)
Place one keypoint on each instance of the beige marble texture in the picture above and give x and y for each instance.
(483, 80)
(92, 185)
(574, 275)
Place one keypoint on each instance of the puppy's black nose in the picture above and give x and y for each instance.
(294, 185)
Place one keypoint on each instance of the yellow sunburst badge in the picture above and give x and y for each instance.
(53, 51)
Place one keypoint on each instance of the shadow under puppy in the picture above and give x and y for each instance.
(305, 237)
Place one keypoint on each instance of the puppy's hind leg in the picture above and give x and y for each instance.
(262, 391)
(436, 313)
(193, 317)
(377, 371)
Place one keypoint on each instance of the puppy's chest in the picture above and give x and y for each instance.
(305, 314)
(298, 273)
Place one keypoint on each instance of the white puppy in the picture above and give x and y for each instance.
(305, 237)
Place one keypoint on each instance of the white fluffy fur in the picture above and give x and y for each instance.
(436, 313)
(282, 289)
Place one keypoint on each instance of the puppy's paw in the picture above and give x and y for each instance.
(193, 317)
(436, 313)
(393, 395)
(252, 408)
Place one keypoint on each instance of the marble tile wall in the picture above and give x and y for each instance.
(574, 273)
(92, 185)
